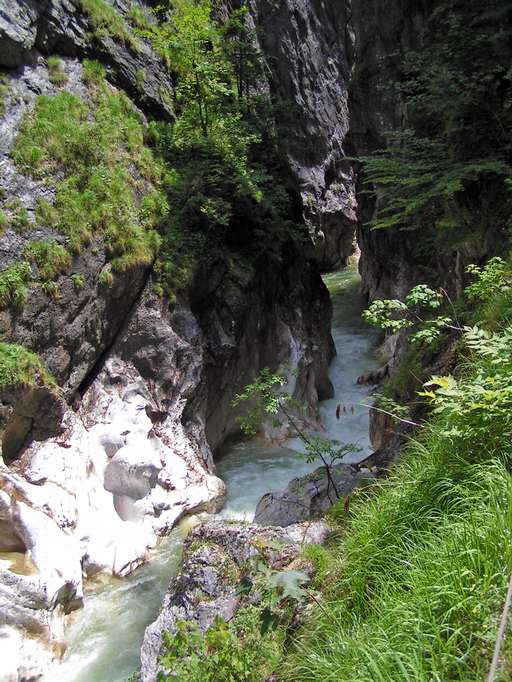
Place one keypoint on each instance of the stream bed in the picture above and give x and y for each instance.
(104, 638)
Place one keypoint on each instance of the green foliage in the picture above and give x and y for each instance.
(394, 315)
(13, 284)
(456, 93)
(57, 75)
(416, 179)
(20, 367)
(105, 21)
(216, 655)
(50, 257)
(95, 148)
(218, 190)
(265, 399)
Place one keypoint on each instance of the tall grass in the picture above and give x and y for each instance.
(105, 175)
(419, 578)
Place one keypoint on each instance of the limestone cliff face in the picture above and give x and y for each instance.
(95, 473)
(307, 46)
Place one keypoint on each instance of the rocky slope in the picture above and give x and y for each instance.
(95, 471)
(216, 556)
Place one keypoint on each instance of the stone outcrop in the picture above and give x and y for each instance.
(308, 497)
(93, 475)
(307, 46)
(64, 27)
(215, 556)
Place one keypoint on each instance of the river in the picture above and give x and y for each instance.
(104, 638)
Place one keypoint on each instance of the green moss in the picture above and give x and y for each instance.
(105, 21)
(106, 277)
(99, 150)
(56, 73)
(20, 367)
(13, 284)
(50, 257)
(140, 79)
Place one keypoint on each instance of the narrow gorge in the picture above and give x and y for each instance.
(198, 200)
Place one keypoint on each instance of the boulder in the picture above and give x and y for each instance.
(307, 497)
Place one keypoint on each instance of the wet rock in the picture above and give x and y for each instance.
(206, 586)
(307, 497)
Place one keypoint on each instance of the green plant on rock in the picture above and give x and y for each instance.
(13, 284)
(453, 147)
(4, 91)
(94, 73)
(106, 21)
(95, 148)
(19, 218)
(21, 367)
(4, 222)
(78, 280)
(57, 74)
(50, 257)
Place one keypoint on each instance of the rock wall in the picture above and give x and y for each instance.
(96, 472)
(307, 47)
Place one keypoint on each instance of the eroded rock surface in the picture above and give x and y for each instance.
(206, 587)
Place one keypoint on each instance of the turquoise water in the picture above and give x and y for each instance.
(105, 638)
(254, 468)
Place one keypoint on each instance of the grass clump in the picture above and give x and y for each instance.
(4, 90)
(78, 280)
(4, 222)
(99, 152)
(137, 17)
(13, 284)
(21, 367)
(94, 73)
(105, 21)
(57, 75)
(50, 257)
(19, 218)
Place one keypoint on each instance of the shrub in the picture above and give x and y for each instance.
(50, 257)
(20, 367)
(13, 284)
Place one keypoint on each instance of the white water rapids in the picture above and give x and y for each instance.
(105, 637)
